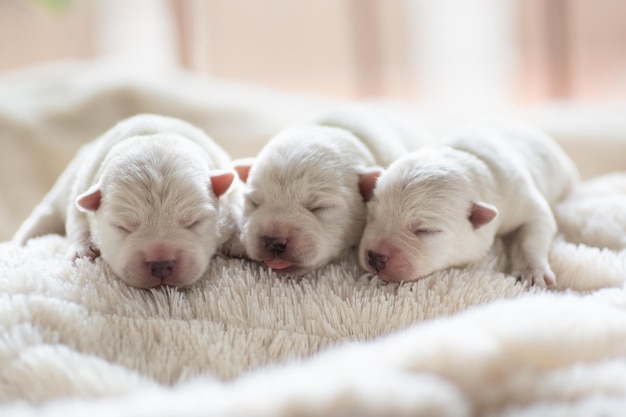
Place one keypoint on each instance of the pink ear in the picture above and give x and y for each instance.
(242, 172)
(242, 167)
(481, 214)
(221, 182)
(367, 182)
(90, 199)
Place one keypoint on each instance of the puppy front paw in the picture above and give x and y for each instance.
(77, 251)
(542, 277)
(233, 248)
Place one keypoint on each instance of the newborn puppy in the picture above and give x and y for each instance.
(149, 196)
(303, 205)
(442, 206)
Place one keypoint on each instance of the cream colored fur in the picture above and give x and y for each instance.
(79, 341)
(303, 206)
(143, 196)
(442, 206)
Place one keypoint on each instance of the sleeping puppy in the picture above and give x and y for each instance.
(442, 206)
(149, 196)
(303, 205)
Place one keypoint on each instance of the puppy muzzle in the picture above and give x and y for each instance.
(377, 260)
(275, 245)
(161, 269)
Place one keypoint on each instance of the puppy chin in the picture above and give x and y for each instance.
(292, 270)
(400, 276)
(288, 265)
(139, 276)
(285, 265)
(137, 271)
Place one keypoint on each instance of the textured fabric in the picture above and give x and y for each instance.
(78, 332)
(76, 341)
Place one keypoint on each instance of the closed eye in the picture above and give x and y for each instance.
(195, 224)
(122, 229)
(319, 208)
(424, 231)
(251, 203)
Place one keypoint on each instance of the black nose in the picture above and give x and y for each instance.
(377, 260)
(275, 245)
(161, 269)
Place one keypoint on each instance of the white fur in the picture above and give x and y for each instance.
(303, 188)
(594, 213)
(420, 215)
(387, 135)
(150, 180)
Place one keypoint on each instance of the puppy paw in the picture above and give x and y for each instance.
(233, 248)
(542, 277)
(77, 251)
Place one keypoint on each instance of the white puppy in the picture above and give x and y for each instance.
(303, 205)
(146, 197)
(442, 206)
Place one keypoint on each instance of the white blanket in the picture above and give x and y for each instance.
(76, 341)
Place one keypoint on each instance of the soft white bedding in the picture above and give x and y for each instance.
(76, 341)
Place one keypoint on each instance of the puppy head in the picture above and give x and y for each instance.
(424, 216)
(155, 211)
(302, 203)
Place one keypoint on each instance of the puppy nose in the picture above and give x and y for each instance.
(377, 260)
(161, 269)
(275, 245)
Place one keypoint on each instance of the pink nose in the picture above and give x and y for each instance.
(376, 260)
(161, 269)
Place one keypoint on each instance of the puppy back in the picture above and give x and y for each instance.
(387, 136)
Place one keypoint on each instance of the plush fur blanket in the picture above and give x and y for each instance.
(76, 341)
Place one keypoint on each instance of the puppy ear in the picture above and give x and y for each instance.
(242, 167)
(221, 181)
(90, 199)
(481, 214)
(367, 182)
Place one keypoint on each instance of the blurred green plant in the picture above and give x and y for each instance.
(54, 5)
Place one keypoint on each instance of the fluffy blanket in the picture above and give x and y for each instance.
(76, 341)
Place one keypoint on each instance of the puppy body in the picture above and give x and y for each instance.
(303, 205)
(146, 197)
(387, 136)
(443, 206)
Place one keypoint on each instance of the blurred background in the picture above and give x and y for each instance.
(242, 69)
(486, 53)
